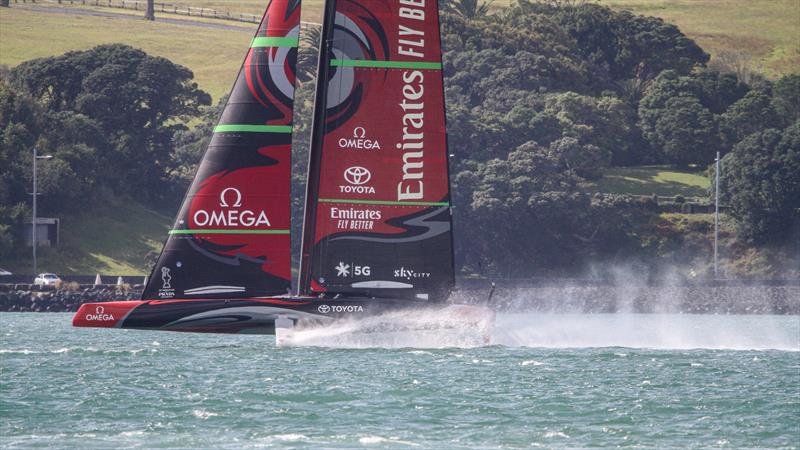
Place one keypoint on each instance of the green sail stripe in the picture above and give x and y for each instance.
(385, 64)
(171, 232)
(274, 42)
(382, 202)
(232, 128)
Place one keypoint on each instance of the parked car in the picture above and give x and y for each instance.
(46, 279)
(5, 273)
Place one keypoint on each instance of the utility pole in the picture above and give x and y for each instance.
(35, 194)
(716, 218)
(150, 12)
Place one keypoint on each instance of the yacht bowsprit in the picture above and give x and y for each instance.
(377, 234)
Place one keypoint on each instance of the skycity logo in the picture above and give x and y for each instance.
(359, 141)
(99, 315)
(229, 216)
(409, 274)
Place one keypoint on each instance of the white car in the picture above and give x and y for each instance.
(46, 279)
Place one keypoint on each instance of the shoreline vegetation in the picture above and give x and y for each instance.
(583, 136)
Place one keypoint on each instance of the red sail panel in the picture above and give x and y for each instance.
(381, 222)
(231, 238)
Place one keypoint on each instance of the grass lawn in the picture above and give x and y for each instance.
(664, 181)
(213, 55)
(765, 31)
(110, 239)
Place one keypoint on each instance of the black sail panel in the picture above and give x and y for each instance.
(231, 237)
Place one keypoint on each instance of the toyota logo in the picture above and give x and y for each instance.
(357, 175)
(324, 309)
(100, 310)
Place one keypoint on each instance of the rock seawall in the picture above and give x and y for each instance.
(548, 299)
(643, 299)
(13, 300)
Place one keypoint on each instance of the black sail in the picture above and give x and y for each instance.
(231, 237)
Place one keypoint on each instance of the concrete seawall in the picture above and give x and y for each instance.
(549, 299)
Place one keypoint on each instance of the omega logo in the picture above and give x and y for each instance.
(223, 195)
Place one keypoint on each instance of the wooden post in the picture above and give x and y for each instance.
(150, 13)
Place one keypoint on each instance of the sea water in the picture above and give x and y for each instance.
(547, 381)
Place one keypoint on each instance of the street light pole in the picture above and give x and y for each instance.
(35, 194)
(716, 219)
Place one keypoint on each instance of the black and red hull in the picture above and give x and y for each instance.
(246, 316)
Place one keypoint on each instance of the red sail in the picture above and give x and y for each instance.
(231, 237)
(378, 219)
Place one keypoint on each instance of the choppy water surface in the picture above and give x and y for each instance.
(550, 381)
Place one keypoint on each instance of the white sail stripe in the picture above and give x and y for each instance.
(214, 289)
(255, 312)
(379, 284)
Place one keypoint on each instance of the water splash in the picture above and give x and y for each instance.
(456, 326)
(653, 331)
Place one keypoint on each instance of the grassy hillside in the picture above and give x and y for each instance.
(766, 32)
(21, 34)
(663, 181)
(113, 238)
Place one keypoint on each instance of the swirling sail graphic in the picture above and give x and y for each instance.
(378, 219)
(231, 237)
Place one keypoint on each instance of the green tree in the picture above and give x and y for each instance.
(674, 120)
(687, 132)
(752, 113)
(66, 181)
(308, 54)
(786, 98)
(761, 183)
(470, 9)
(137, 100)
(189, 146)
(523, 215)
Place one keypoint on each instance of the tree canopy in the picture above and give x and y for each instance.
(542, 97)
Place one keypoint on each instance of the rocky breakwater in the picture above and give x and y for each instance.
(650, 299)
(16, 298)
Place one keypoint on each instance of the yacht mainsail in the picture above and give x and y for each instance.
(231, 237)
(378, 219)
